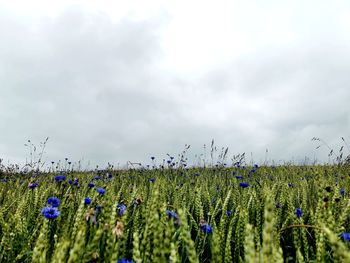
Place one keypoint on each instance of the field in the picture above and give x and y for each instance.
(177, 214)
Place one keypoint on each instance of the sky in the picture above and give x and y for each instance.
(117, 81)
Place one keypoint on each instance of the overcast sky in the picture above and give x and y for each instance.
(112, 81)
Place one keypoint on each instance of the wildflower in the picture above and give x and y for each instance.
(342, 192)
(96, 178)
(298, 212)
(278, 205)
(123, 260)
(87, 200)
(32, 185)
(152, 180)
(60, 178)
(109, 176)
(243, 184)
(50, 212)
(172, 214)
(239, 177)
(101, 191)
(91, 185)
(290, 185)
(118, 229)
(252, 171)
(122, 209)
(197, 174)
(53, 201)
(256, 166)
(205, 227)
(70, 181)
(76, 182)
(345, 236)
(228, 212)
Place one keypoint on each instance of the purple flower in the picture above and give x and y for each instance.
(345, 236)
(70, 181)
(172, 214)
(60, 178)
(123, 260)
(290, 185)
(87, 200)
(298, 212)
(50, 212)
(101, 191)
(342, 192)
(91, 185)
(206, 228)
(32, 185)
(53, 201)
(278, 205)
(122, 209)
(243, 184)
(228, 212)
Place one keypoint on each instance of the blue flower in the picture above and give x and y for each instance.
(239, 177)
(87, 200)
(256, 166)
(101, 191)
(70, 181)
(228, 212)
(32, 185)
(60, 178)
(345, 236)
(342, 192)
(278, 205)
(50, 212)
(96, 178)
(172, 214)
(91, 185)
(206, 228)
(123, 260)
(53, 201)
(243, 184)
(152, 180)
(290, 185)
(122, 209)
(252, 171)
(76, 182)
(298, 212)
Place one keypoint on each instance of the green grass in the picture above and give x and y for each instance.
(256, 231)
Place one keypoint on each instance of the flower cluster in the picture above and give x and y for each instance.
(122, 209)
(60, 178)
(51, 212)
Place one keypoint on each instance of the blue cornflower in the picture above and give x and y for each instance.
(278, 205)
(53, 201)
(228, 212)
(97, 178)
(239, 177)
(60, 178)
(252, 171)
(298, 212)
(87, 200)
(70, 181)
(243, 184)
(91, 185)
(109, 177)
(50, 212)
(152, 180)
(197, 174)
(290, 185)
(123, 260)
(172, 214)
(256, 166)
(206, 228)
(342, 192)
(345, 236)
(76, 182)
(101, 191)
(32, 185)
(122, 209)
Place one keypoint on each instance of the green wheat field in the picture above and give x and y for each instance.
(174, 213)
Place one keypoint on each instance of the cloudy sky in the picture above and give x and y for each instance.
(117, 81)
